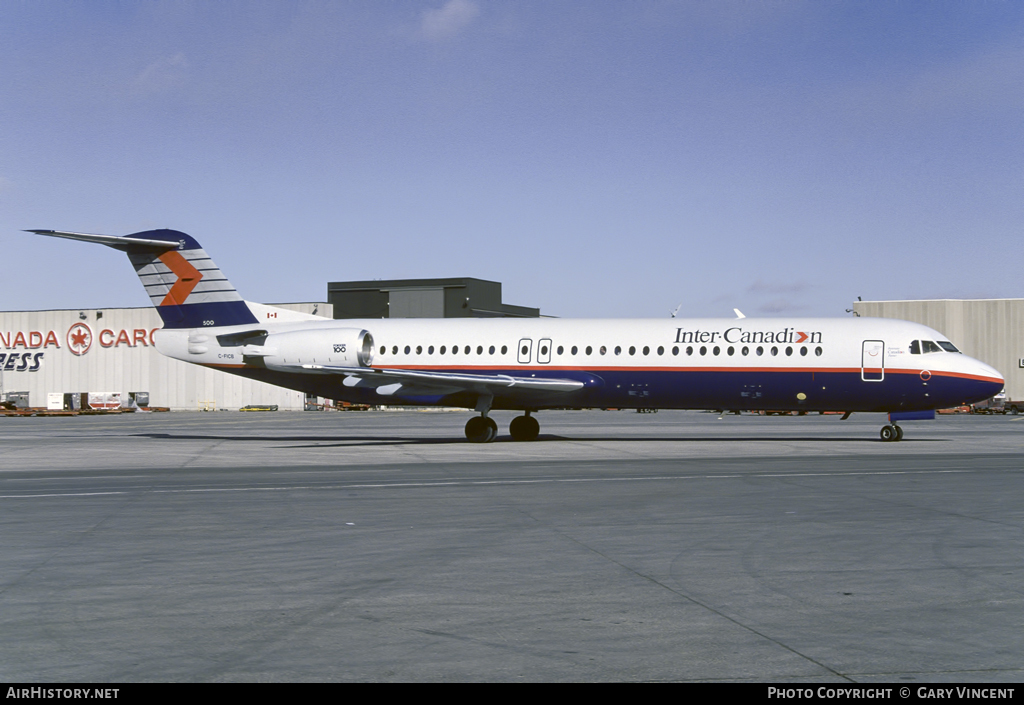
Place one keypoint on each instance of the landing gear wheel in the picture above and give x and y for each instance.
(524, 428)
(481, 429)
(891, 433)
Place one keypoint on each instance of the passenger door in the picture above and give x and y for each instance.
(872, 362)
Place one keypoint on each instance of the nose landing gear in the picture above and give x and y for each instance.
(891, 433)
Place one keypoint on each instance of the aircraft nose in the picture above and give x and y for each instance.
(989, 371)
(987, 375)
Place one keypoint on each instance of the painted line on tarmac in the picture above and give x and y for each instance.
(76, 477)
(61, 494)
(473, 483)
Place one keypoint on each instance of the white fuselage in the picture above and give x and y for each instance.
(819, 364)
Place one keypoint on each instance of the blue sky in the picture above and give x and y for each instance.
(598, 158)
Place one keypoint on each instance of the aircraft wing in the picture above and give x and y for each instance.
(388, 382)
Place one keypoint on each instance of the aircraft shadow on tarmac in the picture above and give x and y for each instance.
(319, 441)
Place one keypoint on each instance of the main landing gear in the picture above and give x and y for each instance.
(891, 433)
(524, 428)
(483, 429)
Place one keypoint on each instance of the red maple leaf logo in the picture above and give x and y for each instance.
(79, 338)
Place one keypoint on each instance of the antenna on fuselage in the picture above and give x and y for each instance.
(739, 314)
(673, 314)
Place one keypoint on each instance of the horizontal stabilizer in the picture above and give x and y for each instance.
(118, 243)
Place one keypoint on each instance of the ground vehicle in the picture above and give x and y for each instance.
(1012, 406)
(992, 405)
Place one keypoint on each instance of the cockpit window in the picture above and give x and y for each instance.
(919, 347)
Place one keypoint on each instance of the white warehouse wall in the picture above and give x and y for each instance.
(110, 350)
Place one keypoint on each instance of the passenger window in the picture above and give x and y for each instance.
(618, 350)
(406, 349)
(504, 349)
(689, 350)
(394, 349)
(603, 350)
(789, 351)
(731, 350)
(467, 350)
(745, 351)
(675, 350)
(479, 349)
(443, 349)
(574, 350)
(803, 351)
(455, 350)
(430, 350)
(716, 350)
(760, 351)
(703, 350)
(647, 350)
(661, 350)
(589, 350)
(818, 351)
(419, 349)
(560, 350)
(632, 350)
(490, 350)
(775, 350)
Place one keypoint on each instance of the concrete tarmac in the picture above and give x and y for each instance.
(381, 546)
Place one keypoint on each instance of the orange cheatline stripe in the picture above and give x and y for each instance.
(188, 278)
(532, 367)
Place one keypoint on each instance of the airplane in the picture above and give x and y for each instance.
(803, 364)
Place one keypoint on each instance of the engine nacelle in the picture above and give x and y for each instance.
(340, 347)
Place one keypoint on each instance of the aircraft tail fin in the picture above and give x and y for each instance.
(186, 287)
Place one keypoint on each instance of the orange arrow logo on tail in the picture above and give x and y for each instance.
(188, 278)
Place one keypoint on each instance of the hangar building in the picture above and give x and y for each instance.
(991, 330)
(110, 351)
(423, 298)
